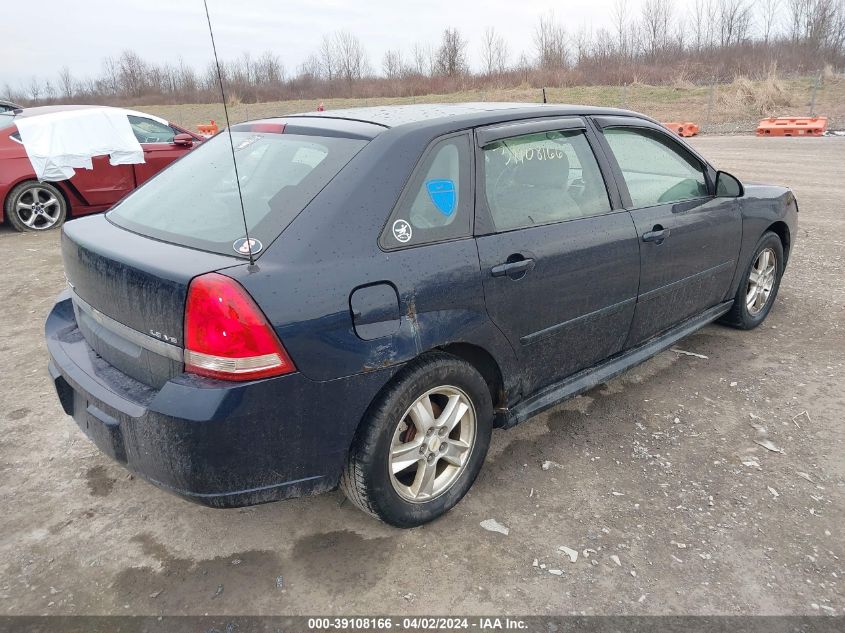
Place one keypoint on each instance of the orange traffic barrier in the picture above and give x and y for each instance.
(208, 129)
(792, 126)
(683, 128)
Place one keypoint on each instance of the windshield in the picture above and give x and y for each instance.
(7, 119)
(195, 202)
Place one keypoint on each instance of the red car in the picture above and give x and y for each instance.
(30, 205)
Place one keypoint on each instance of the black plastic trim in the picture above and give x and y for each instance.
(589, 378)
(540, 335)
(653, 294)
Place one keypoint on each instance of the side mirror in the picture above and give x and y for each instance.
(185, 140)
(728, 186)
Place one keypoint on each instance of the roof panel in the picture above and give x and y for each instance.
(398, 115)
(395, 115)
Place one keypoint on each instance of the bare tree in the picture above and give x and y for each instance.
(392, 65)
(311, 68)
(131, 73)
(49, 90)
(657, 22)
(583, 42)
(798, 16)
(450, 59)
(837, 34)
(604, 47)
(111, 76)
(66, 82)
(269, 69)
(187, 78)
(769, 18)
(550, 43)
(35, 89)
(621, 24)
(422, 60)
(817, 24)
(351, 59)
(494, 52)
(734, 21)
(88, 87)
(679, 43)
(328, 58)
(244, 72)
(698, 18)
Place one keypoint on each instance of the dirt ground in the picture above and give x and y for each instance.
(657, 480)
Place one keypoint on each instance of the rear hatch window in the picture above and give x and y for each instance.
(195, 202)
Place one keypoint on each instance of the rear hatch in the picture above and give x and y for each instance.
(130, 270)
(129, 295)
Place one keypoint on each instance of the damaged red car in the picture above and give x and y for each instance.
(28, 204)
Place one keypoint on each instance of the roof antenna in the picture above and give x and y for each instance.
(229, 132)
(544, 95)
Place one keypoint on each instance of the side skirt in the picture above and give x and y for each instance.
(589, 378)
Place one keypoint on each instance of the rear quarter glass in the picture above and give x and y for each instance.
(195, 201)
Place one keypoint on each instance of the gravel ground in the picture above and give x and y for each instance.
(656, 478)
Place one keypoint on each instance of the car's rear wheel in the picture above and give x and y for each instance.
(35, 206)
(422, 443)
(759, 288)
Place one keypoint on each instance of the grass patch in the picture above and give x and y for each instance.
(740, 103)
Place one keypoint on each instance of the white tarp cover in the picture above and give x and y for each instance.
(59, 142)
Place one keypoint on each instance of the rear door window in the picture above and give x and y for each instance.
(656, 170)
(436, 205)
(195, 201)
(542, 178)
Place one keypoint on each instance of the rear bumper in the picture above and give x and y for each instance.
(216, 443)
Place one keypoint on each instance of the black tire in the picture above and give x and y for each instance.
(740, 316)
(52, 211)
(368, 480)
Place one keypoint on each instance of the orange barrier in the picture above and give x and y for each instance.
(208, 129)
(683, 128)
(792, 126)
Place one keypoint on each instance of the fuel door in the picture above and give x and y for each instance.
(375, 311)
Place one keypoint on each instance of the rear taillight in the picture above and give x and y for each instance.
(226, 334)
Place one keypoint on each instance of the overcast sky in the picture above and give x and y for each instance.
(82, 32)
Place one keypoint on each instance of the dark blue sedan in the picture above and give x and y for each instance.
(421, 275)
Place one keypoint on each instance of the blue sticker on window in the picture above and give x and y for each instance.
(442, 194)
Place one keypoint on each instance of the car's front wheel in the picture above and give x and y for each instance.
(756, 294)
(422, 444)
(35, 206)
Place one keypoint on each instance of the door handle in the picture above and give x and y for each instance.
(656, 235)
(513, 269)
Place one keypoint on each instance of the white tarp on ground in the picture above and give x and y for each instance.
(59, 142)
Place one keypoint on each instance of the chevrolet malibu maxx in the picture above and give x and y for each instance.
(398, 282)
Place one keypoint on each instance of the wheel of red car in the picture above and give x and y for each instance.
(422, 444)
(35, 206)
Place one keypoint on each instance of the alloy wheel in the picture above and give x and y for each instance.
(432, 444)
(761, 280)
(38, 208)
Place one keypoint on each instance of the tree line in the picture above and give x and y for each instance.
(708, 40)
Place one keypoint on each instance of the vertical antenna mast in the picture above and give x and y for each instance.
(229, 132)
